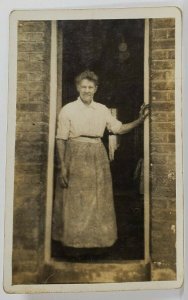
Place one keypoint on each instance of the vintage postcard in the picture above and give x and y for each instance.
(94, 187)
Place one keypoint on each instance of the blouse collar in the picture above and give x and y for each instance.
(92, 104)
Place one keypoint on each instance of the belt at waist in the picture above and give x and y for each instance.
(86, 139)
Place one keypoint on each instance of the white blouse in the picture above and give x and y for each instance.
(77, 119)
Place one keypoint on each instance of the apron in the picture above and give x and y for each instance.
(84, 214)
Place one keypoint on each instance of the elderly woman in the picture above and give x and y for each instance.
(89, 219)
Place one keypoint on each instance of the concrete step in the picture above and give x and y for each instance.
(100, 272)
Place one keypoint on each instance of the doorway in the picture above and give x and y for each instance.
(114, 50)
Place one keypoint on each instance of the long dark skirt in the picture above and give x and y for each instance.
(88, 215)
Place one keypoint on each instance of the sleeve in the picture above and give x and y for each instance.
(113, 125)
(63, 125)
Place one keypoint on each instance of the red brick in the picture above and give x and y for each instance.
(37, 56)
(31, 66)
(26, 254)
(31, 37)
(162, 224)
(158, 75)
(162, 76)
(32, 136)
(160, 176)
(162, 116)
(162, 107)
(22, 56)
(31, 117)
(33, 26)
(171, 204)
(166, 248)
(32, 86)
(25, 191)
(159, 214)
(164, 33)
(163, 249)
(28, 179)
(24, 266)
(163, 191)
(28, 168)
(162, 54)
(33, 107)
(22, 96)
(36, 76)
(163, 44)
(32, 46)
(163, 256)
(163, 65)
(163, 187)
(163, 85)
(167, 235)
(170, 75)
(171, 138)
(160, 203)
(32, 127)
(164, 96)
(163, 169)
(26, 226)
(21, 76)
(163, 148)
(159, 158)
(25, 155)
(159, 138)
(160, 182)
(38, 97)
(163, 23)
(41, 146)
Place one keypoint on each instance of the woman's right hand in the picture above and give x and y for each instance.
(64, 177)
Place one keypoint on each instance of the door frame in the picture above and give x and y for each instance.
(56, 65)
(146, 148)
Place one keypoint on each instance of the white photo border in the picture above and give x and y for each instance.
(105, 13)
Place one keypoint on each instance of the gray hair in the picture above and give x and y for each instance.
(87, 75)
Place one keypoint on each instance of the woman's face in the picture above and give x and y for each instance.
(86, 89)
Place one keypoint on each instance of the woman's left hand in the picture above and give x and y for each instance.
(144, 111)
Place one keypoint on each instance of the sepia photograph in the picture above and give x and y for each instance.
(94, 181)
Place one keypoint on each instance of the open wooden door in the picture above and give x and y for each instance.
(139, 265)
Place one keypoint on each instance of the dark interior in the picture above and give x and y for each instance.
(114, 50)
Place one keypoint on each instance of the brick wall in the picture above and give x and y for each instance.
(31, 148)
(163, 217)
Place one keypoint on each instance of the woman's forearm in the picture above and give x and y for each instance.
(129, 126)
(61, 146)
